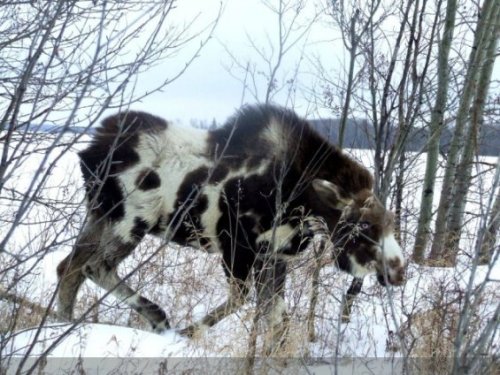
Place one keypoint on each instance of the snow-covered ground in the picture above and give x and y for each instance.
(187, 283)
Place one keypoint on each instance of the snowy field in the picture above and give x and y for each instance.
(386, 324)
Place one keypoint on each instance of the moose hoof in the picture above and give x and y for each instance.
(193, 331)
(312, 337)
(188, 331)
(64, 316)
(161, 327)
(345, 319)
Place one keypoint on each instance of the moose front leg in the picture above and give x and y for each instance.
(348, 300)
(238, 292)
(270, 276)
(237, 264)
(319, 263)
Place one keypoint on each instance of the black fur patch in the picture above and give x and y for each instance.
(139, 229)
(247, 208)
(190, 205)
(148, 180)
(241, 141)
(342, 260)
(355, 287)
(106, 198)
(240, 136)
(112, 151)
(218, 173)
(190, 229)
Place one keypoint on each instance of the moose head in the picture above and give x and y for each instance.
(362, 232)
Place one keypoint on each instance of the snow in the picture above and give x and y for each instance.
(99, 340)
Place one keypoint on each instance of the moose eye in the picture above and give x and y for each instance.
(364, 225)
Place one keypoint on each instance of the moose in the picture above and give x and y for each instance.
(256, 190)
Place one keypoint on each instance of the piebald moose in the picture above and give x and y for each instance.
(255, 190)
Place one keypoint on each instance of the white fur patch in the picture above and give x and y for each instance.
(211, 215)
(279, 236)
(391, 249)
(132, 300)
(274, 133)
(275, 316)
(172, 154)
(358, 270)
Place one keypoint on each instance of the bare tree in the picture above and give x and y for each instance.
(476, 112)
(352, 32)
(488, 235)
(436, 125)
(264, 78)
(485, 28)
(415, 101)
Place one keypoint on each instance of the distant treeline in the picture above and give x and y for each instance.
(360, 134)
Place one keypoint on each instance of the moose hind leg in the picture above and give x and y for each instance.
(69, 270)
(103, 271)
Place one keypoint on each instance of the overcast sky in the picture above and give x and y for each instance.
(212, 88)
(207, 90)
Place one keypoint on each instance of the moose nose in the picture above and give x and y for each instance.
(398, 278)
(395, 278)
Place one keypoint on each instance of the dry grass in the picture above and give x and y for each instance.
(188, 283)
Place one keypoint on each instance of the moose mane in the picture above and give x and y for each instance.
(278, 132)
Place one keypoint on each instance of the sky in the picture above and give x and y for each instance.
(212, 87)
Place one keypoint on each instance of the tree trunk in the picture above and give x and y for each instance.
(350, 79)
(464, 169)
(436, 126)
(399, 197)
(439, 250)
(383, 174)
(489, 236)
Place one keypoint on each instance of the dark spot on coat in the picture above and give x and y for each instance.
(218, 173)
(139, 229)
(341, 260)
(108, 266)
(191, 203)
(148, 179)
(105, 199)
(241, 137)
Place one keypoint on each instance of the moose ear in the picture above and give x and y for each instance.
(330, 194)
